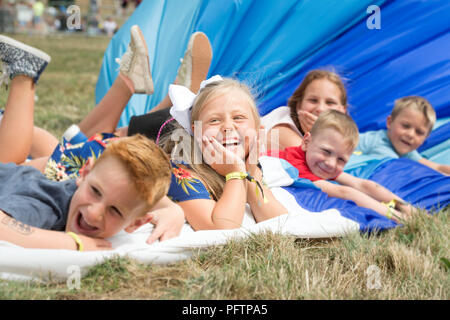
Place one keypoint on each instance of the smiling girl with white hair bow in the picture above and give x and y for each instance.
(214, 185)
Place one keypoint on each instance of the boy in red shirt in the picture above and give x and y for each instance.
(322, 156)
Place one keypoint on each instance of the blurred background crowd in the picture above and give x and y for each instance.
(94, 17)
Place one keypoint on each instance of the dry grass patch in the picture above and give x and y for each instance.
(404, 263)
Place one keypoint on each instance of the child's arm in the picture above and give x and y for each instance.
(168, 218)
(27, 236)
(260, 210)
(369, 187)
(442, 168)
(360, 198)
(228, 211)
(282, 136)
(374, 190)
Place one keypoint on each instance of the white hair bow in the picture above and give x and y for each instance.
(182, 101)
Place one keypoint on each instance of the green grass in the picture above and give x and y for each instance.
(411, 262)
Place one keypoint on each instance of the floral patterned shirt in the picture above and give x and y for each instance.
(68, 160)
(185, 187)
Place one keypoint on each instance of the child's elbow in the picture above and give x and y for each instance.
(444, 169)
(342, 192)
(369, 186)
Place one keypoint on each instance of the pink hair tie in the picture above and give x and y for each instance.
(160, 129)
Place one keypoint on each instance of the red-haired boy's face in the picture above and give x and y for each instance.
(105, 201)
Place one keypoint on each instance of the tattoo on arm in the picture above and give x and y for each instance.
(17, 226)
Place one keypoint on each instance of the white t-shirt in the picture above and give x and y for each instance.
(280, 115)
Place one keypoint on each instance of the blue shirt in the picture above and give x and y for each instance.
(375, 145)
(378, 145)
(184, 187)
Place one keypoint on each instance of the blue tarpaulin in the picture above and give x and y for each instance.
(264, 43)
(271, 45)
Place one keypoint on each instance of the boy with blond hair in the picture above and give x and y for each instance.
(409, 124)
(115, 192)
(322, 156)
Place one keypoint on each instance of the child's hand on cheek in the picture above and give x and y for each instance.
(307, 120)
(222, 160)
(255, 148)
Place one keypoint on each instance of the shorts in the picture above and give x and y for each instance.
(149, 124)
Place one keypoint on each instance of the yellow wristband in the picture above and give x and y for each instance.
(391, 206)
(389, 213)
(243, 176)
(77, 240)
(236, 175)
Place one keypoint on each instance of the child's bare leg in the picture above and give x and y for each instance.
(165, 103)
(38, 163)
(134, 77)
(44, 143)
(23, 65)
(105, 116)
(194, 68)
(122, 132)
(16, 128)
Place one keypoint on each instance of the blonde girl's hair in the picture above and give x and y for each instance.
(415, 103)
(147, 164)
(299, 93)
(340, 122)
(186, 149)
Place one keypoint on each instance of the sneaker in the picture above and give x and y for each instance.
(134, 66)
(73, 135)
(20, 59)
(195, 65)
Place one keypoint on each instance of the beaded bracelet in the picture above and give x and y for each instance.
(77, 240)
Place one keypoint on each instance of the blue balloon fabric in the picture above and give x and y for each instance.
(414, 182)
(262, 42)
(315, 200)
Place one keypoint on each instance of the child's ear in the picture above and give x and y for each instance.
(138, 223)
(85, 170)
(306, 140)
(388, 122)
